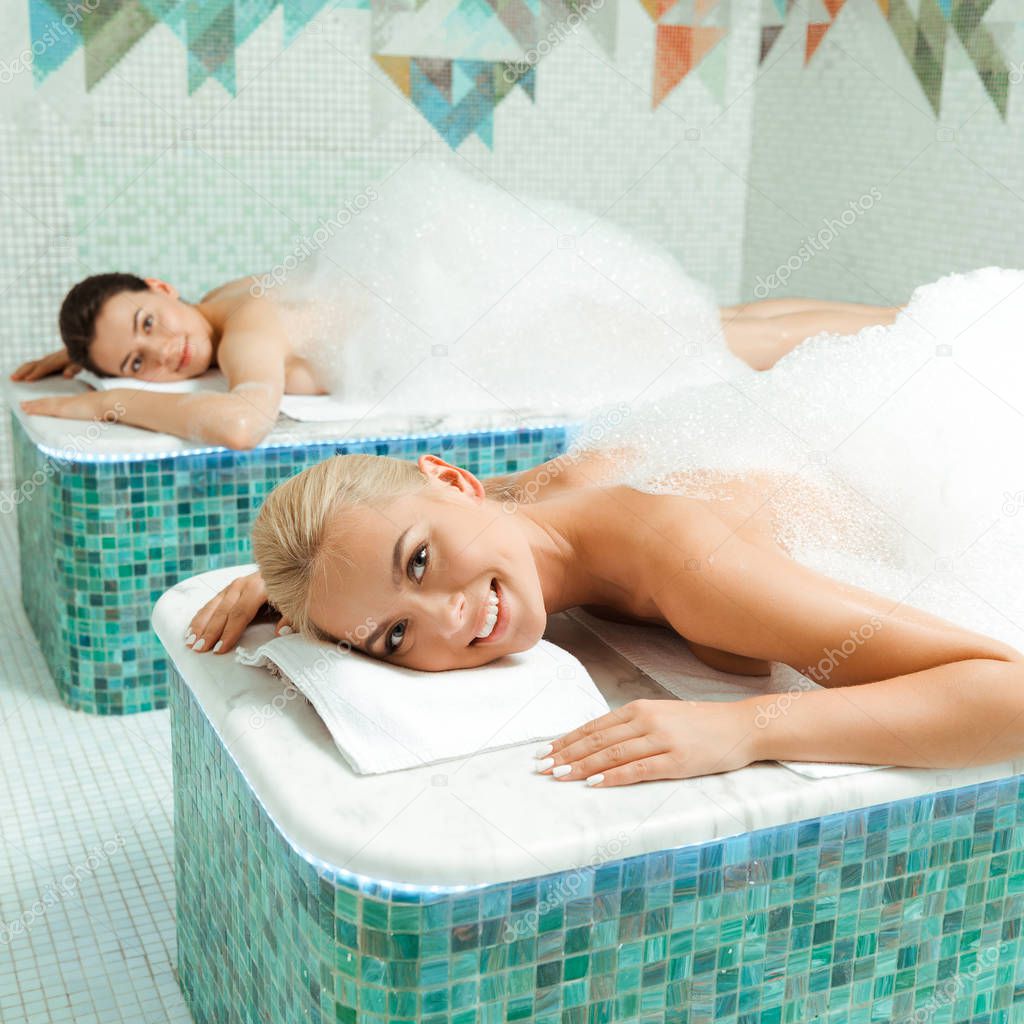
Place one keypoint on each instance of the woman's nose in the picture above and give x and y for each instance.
(452, 614)
(169, 354)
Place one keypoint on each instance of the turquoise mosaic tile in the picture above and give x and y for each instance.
(909, 911)
(101, 541)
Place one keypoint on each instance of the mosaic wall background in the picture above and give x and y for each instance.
(921, 103)
(126, 149)
(199, 142)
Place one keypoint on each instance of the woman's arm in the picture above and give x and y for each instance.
(252, 355)
(951, 716)
(902, 687)
(719, 590)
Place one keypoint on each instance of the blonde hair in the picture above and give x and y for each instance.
(293, 532)
(301, 521)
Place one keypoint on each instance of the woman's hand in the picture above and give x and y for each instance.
(655, 739)
(55, 362)
(220, 623)
(90, 405)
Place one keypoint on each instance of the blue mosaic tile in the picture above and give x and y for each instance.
(909, 911)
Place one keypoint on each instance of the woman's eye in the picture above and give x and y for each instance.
(393, 644)
(136, 364)
(147, 323)
(418, 563)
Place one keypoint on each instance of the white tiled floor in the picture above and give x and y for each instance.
(86, 846)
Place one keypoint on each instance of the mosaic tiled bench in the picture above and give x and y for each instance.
(109, 517)
(477, 891)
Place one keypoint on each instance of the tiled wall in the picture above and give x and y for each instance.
(198, 142)
(921, 104)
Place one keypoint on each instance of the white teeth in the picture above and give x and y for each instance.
(492, 616)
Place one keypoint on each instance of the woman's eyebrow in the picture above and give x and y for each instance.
(396, 576)
(396, 558)
(135, 330)
(375, 636)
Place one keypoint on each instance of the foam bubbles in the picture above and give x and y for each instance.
(451, 293)
(890, 458)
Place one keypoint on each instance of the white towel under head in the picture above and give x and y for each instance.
(302, 408)
(385, 717)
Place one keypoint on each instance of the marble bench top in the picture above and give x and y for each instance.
(490, 817)
(81, 440)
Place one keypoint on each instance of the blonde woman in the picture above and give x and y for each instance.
(438, 292)
(714, 515)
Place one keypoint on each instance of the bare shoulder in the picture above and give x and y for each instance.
(251, 317)
(236, 287)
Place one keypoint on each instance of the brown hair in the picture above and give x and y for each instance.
(82, 305)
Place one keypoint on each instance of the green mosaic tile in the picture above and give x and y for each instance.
(101, 541)
(864, 916)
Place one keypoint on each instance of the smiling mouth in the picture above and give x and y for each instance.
(495, 619)
(184, 356)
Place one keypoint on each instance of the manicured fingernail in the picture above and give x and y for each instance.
(217, 646)
(541, 766)
(188, 633)
(562, 769)
(190, 639)
(595, 779)
(200, 644)
(284, 630)
(542, 751)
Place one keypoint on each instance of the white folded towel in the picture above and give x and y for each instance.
(212, 380)
(666, 658)
(385, 717)
(302, 408)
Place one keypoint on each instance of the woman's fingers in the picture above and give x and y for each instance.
(50, 406)
(645, 769)
(220, 623)
(71, 369)
(612, 754)
(35, 369)
(207, 623)
(619, 716)
(32, 370)
(587, 745)
(284, 627)
(235, 624)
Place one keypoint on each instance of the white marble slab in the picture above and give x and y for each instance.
(489, 817)
(83, 440)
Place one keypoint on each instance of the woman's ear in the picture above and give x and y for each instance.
(158, 285)
(436, 469)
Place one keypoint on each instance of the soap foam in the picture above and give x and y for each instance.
(450, 293)
(893, 456)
